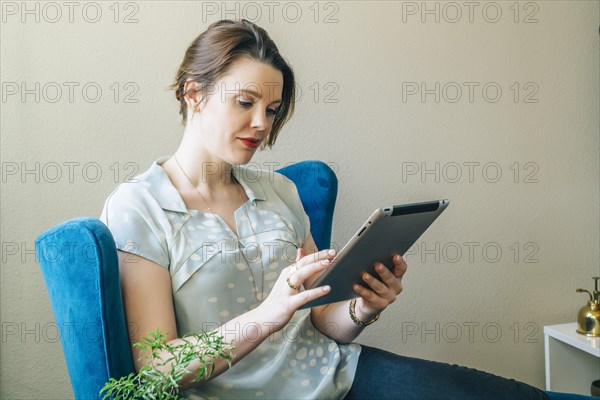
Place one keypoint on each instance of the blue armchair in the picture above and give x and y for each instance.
(79, 263)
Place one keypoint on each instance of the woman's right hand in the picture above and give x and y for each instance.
(283, 301)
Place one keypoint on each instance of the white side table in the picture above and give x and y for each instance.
(572, 359)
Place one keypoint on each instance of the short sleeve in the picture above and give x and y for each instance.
(303, 216)
(289, 192)
(131, 214)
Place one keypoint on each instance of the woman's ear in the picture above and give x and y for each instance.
(192, 95)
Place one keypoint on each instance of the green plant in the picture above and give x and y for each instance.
(152, 383)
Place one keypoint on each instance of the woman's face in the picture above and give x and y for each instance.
(238, 113)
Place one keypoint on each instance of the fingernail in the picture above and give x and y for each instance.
(326, 288)
(331, 252)
(326, 261)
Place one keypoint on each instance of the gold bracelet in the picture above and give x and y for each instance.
(355, 318)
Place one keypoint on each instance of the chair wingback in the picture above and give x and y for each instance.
(317, 186)
(79, 263)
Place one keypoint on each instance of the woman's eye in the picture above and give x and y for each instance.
(245, 103)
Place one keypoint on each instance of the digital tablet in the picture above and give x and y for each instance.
(387, 231)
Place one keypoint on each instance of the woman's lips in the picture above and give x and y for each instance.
(250, 143)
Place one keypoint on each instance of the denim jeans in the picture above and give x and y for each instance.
(384, 375)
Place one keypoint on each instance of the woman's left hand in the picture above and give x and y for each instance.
(379, 292)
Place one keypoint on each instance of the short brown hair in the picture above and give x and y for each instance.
(211, 54)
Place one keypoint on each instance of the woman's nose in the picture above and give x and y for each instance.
(260, 120)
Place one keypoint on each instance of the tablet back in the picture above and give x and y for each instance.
(389, 230)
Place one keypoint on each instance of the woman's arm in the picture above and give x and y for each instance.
(334, 319)
(147, 298)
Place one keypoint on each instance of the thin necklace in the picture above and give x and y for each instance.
(262, 269)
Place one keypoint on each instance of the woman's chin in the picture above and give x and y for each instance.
(242, 159)
(245, 156)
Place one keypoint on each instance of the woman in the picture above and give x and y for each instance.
(208, 243)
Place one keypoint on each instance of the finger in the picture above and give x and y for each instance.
(311, 269)
(304, 297)
(380, 288)
(388, 277)
(299, 253)
(293, 285)
(400, 266)
(370, 297)
(375, 284)
(316, 257)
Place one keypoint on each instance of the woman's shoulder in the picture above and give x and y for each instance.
(134, 190)
(145, 190)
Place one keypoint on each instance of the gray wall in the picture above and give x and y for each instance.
(517, 156)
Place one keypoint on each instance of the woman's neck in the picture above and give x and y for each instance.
(206, 176)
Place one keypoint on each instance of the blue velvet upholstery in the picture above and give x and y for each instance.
(317, 186)
(79, 263)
